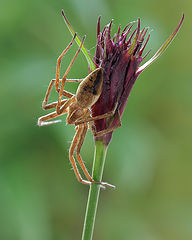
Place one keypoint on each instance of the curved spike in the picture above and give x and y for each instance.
(78, 41)
(125, 35)
(135, 39)
(118, 32)
(145, 33)
(142, 49)
(125, 28)
(98, 26)
(129, 40)
(162, 48)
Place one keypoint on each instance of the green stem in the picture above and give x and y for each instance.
(98, 165)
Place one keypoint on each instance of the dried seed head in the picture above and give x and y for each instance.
(120, 57)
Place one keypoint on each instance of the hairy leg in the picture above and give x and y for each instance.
(67, 104)
(59, 62)
(105, 115)
(64, 78)
(79, 145)
(71, 152)
(42, 121)
(53, 104)
(109, 129)
(65, 93)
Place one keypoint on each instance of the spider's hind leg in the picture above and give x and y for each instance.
(74, 143)
(79, 145)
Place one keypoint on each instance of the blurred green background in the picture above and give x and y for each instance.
(149, 158)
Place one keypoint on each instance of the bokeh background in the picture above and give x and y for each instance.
(150, 156)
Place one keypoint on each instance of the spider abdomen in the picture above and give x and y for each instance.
(90, 89)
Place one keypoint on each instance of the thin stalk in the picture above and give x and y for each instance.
(97, 172)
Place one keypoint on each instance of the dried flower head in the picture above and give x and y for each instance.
(120, 57)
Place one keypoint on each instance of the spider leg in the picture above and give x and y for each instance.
(105, 115)
(53, 104)
(42, 121)
(79, 145)
(66, 104)
(59, 63)
(109, 129)
(64, 77)
(75, 142)
(89, 119)
(65, 93)
(71, 152)
(57, 80)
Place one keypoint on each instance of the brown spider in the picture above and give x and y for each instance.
(78, 109)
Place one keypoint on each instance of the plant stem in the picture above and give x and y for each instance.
(97, 172)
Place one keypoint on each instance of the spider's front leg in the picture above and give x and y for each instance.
(59, 63)
(42, 121)
(64, 78)
(57, 81)
(67, 94)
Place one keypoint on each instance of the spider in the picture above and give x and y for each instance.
(78, 108)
